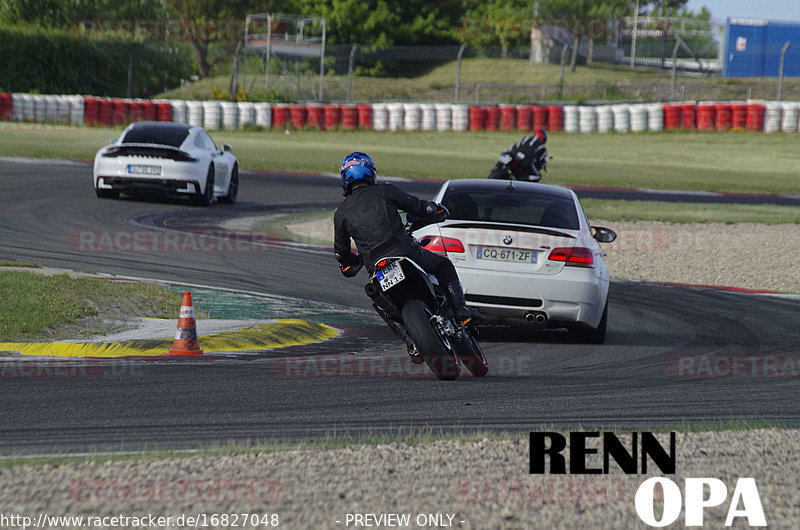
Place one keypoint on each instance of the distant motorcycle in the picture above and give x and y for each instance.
(525, 160)
(413, 305)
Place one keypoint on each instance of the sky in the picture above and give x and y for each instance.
(785, 10)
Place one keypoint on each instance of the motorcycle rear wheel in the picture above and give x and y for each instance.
(442, 361)
(470, 353)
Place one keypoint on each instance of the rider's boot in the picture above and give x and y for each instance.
(455, 297)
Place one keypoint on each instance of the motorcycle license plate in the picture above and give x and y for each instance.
(390, 275)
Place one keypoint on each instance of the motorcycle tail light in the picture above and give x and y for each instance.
(573, 257)
(382, 263)
(442, 245)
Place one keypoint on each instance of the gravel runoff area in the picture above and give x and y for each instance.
(480, 484)
(742, 255)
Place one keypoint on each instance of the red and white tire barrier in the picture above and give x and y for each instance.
(766, 116)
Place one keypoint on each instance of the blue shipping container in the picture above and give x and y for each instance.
(753, 48)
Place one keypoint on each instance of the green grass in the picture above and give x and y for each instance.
(432, 80)
(36, 307)
(408, 437)
(708, 161)
(606, 79)
(10, 263)
(731, 424)
(689, 212)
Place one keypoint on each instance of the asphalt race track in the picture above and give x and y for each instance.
(648, 373)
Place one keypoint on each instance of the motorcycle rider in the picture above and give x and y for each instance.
(369, 215)
(524, 160)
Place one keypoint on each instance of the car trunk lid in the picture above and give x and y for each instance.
(501, 246)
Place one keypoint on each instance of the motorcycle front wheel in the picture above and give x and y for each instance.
(470, 353)
(437, 353)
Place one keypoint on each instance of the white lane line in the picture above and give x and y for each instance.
(49, 161)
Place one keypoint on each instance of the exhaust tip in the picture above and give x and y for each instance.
(535, 319)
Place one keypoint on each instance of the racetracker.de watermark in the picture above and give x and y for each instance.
(31, 367)
(396, 365)
(708, 365)
(638, 240)
(148, 491)
(325, 366)
(167, 241)
(628, 240)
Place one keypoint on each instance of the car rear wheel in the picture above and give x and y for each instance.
(207, 196)
(233, 187)
(592, 335)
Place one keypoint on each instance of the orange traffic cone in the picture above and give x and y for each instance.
(186, 342)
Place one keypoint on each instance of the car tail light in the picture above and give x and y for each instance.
(153, 152)
(441, 245)
(183, 156)
(112, 153)
(573, 257)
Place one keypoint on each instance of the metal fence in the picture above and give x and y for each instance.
(351, 68)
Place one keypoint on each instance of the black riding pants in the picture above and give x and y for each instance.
(435, 264)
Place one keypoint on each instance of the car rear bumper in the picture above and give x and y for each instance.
(148, 185)
(573, 295)
(112, 173)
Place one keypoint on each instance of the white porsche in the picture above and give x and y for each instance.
(167, 158)
(525, 254)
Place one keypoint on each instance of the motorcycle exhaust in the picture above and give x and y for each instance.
(380, 299)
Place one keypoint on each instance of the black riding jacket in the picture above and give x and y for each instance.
(370, 217)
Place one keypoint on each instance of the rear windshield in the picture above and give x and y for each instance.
(512, 207)
(157, 134)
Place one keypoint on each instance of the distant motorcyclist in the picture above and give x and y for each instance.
(525, 160)
(369, 215)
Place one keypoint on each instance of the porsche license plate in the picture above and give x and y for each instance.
(139, 169)
(390, 276)
(506, 254)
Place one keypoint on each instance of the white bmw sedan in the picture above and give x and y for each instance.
(167, 158)
(525, 254)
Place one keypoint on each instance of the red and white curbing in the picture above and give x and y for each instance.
(753, 115)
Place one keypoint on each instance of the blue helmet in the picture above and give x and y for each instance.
(357, 167)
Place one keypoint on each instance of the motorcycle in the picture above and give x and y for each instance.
(524, 160)
(414, 306)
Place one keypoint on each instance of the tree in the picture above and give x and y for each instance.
(380, 24)
(502, 22)
(206, 21)
(667, 4)
(581, 13)
(385, 22)
(61, 14)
